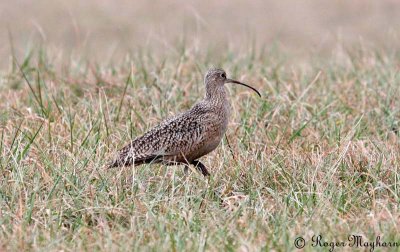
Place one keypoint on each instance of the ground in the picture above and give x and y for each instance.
(317, 154)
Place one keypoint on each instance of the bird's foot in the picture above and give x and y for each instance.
(201, 167)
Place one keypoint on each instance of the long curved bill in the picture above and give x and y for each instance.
(240, 83)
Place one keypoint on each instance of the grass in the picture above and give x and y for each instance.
(317, 154)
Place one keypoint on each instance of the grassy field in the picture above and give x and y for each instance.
(318, 154)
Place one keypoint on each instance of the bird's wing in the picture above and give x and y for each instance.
(167, 139)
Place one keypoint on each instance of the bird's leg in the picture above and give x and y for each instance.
(201, 167)
(186, 170)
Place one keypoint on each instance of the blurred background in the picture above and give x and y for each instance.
(105, 30)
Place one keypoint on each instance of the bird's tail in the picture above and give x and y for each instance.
(113, 163)
(123, 159)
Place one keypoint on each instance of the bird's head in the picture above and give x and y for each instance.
(215, 79)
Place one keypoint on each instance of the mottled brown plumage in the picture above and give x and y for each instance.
(188, 136)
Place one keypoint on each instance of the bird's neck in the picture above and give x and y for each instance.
(216, 96)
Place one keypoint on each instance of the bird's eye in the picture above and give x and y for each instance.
(223, 75)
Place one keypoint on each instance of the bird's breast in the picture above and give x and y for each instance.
(215, 127)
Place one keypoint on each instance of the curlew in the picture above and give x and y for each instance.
(184, 138)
